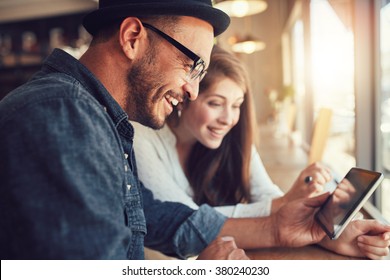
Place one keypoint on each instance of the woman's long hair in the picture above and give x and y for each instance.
(221, 176)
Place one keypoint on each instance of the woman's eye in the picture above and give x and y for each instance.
(214, 104)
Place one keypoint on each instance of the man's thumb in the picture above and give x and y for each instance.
(317, 201)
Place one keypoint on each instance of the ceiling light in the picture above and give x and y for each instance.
(241, 8)
(246, 45)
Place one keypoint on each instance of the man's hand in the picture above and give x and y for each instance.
(294, 223)
(223, 248)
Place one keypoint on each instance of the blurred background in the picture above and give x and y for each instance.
(320, 72)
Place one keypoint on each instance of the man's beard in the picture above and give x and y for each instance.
(142, 81)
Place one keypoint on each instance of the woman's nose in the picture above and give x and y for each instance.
(226, 117)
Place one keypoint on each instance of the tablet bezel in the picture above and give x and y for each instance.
(335, 233)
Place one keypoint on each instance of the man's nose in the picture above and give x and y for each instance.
(191, 88)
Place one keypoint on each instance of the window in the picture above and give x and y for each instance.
(383, 150)
(332, 65)
(345, 66)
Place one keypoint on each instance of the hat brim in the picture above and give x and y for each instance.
(104, 16)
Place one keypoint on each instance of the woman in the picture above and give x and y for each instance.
(207, 155)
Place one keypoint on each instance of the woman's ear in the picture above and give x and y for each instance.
(130, 34)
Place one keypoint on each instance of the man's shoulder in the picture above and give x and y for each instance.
(43, 86)
(41, 91)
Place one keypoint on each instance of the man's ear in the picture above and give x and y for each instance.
(130, 34)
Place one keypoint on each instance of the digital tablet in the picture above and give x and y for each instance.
(346, 200)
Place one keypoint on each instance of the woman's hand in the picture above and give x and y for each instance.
(319, 174)
(361, 238)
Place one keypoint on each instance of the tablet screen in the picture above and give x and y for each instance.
(347, 199)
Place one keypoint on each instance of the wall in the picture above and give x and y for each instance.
(265, 67)
(17, 10)
(30, 29)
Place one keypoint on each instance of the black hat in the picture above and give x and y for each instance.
(112, 10)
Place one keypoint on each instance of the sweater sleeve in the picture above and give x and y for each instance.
(263, 191)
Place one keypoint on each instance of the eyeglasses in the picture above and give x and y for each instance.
(198, 68)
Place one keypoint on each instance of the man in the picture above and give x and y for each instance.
(69, 185)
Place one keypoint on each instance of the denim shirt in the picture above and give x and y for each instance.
(69, 184)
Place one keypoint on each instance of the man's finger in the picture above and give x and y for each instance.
(317, 201)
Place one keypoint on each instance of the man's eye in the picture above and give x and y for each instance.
(188, 66)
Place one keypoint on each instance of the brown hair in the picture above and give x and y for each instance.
(222, 176)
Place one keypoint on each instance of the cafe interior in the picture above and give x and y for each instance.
(319, 71)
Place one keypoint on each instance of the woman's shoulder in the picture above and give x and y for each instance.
(144, 134)
(139, 128)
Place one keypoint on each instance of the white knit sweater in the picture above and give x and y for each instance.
(160, 171)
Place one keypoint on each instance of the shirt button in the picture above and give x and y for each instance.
(128, 187)
(126, 168)
(126, 156)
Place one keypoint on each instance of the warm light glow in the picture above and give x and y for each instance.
(383, 151)
(248, 47)
(332, 59)
(385, 198)
(241, 8)
(332, 80)
(385, 127)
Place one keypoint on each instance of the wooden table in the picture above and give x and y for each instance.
(311, 252)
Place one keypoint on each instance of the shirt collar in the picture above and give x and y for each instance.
(63, 62)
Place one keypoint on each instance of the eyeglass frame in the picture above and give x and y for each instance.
(190, 54)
